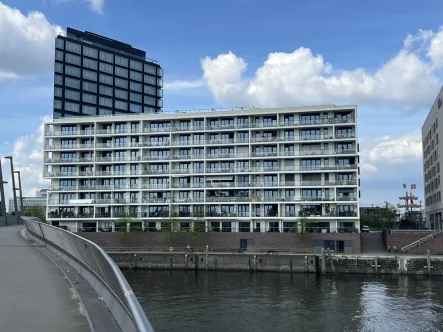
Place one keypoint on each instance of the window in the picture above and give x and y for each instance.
(58, 80)
(121, 72)
(93, 53)
(105, 102)
(160, 72)
(160, 82)
(136, 76)
(136, 87)
(72, 107)
(121, 94)
(135, 97)
(150, 79)
(74, 59)
(88, 63)
(160, 92)
(147, 109)
(58, 92)
(58, 104)
(121, 61)
(136, 65)
(70, 94)
(89, 75)
(105, 90)
(102, 111)
(122, 105)
(159, 103)
(106, 68)
(150, 100)
(72, 83)
(105, 79)
(121, 83)
(149, 90)
(136, 108)
(90, 110)
(58, 67)
(73, 47)
(73, 71)
(58, 55)
(91, 87)
(105, 56)
(150, 69)
(88, 98)
(59, 43)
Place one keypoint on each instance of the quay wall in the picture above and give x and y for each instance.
(286, 263)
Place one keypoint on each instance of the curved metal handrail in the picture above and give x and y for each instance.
(84, 252)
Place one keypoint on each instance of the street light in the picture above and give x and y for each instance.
(14, 188)
(2, 195)
(21, 196)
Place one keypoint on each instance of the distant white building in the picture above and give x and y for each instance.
(28, 202)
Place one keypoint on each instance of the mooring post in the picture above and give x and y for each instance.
(186, 261)
(376, 265)
(323, 261)
(428, 261)
(255, 263)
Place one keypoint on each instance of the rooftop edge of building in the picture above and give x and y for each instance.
(105, 42)
(203, 112)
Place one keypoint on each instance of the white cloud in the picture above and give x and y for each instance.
(96, 6)
(27, 43)
(28, 159)
(302, 78)
(388, 154)
(183, 85)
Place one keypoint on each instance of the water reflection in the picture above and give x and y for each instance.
(231, 301)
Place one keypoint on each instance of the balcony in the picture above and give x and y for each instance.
(117, 159)
(68, 160)
(87, 132)
(68, 146)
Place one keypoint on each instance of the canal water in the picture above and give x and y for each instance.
(238, 301)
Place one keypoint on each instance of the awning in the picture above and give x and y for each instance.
(220, 178)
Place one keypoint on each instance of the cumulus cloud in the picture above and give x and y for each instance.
(390, 153)
(27, 153)
(301, 77)
(27, 43)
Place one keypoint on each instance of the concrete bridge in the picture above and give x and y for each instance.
(53, 280)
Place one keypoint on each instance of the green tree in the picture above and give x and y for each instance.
(37, 212)
(199, 225)
(170, 227)
(125, 216)
(301, 231)
(381, 217)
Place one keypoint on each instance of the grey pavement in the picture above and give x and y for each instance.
(36, 293)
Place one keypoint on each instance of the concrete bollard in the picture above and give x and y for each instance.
(428, 261)
(255, 263)
(323, 261)
(186, 261)
(376, 265)
(306, 264)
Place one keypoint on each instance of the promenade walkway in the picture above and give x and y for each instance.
(37, 293)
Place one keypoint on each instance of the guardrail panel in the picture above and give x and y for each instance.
(98, 268)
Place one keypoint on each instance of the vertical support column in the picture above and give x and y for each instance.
(207, 256)
(428, 261)
(20, 191)
(14, 188)
(323, 261)
(331, 261)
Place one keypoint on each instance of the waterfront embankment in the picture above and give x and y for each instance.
(324, 262)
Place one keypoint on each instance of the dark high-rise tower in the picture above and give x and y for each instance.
(95, 75)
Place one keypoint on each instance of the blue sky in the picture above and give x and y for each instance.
(338, 38)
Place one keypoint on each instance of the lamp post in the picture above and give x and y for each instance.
(20, 190)
(14, 188)
(2, 196)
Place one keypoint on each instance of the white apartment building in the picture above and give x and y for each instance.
(236, 170)
(432, 152)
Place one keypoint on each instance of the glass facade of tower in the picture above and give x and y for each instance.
(95, 75)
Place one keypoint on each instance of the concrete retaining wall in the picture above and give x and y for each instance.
(312, 263)
(401, 239)
(215, 240)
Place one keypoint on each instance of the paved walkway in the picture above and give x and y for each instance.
(35, 293)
